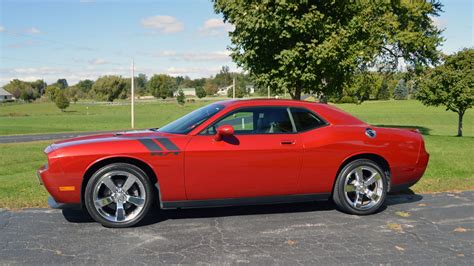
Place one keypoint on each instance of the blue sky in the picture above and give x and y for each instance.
(85, 39)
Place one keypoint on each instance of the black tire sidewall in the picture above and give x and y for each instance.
(339, 197)
(91, 184)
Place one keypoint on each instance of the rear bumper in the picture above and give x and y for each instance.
(415, 175)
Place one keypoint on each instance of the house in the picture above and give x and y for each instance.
(222, 91)
(250, 89)
(5, 96)
(186, 91)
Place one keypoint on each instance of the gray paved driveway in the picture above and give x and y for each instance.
(49, 136)
(420, 229)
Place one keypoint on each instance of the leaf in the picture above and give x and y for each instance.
(402, 214)
(460, 230)
(399, 248)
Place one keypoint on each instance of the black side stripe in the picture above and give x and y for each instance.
(167, 144)
(150, 145)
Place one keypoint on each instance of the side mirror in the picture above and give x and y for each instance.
(224, 131)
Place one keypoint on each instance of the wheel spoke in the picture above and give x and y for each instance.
(103, 202)
(372, 179)
(129, 182)
(137, 201)
(120, 212)
(349, 188)
(109, 184)
(359, 174)
(358, 200)
(372, 195)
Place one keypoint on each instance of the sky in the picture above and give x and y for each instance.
(85, 39)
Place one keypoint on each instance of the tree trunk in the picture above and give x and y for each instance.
(297, 95)
(460, 115)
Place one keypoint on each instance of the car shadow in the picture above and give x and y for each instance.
(156, 216)
(423, 130)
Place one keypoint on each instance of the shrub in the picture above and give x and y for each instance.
(347, 99)
(62, 102)
(181, 98)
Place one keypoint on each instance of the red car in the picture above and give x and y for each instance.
(235, 152)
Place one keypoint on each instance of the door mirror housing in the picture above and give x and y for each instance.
(224, 131)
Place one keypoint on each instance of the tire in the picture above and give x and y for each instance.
(364, 196)
(118, 195)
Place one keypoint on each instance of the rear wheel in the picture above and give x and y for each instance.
(361, 187)
(118, 195)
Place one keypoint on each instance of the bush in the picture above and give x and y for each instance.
(384, 92)
(200, 92)
(61, 101)
(347, 99)
(181, 98)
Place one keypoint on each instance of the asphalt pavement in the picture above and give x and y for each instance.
(412, 229)
(49, 136)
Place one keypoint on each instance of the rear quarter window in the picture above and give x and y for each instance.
(306, 120)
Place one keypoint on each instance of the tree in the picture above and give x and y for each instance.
(450, 84)
(384, 92)
(62, 83)
(140, 83)
(181, 98)
(62, 102)
(52, 91)
(401, 90)
(85, 85)
(108, 88)
(39, 86)
(210, 88)
(161, 86)
(315, 46)
(21, 90)
(200, 92)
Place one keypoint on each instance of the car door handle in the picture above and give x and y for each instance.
(287, 142)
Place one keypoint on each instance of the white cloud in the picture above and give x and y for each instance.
(214, 26)
(2, 29)
(163, 24)
(98, 61)
(21, 44)
(33, 30)
(216, 56)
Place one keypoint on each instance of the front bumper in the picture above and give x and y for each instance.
(63, 193)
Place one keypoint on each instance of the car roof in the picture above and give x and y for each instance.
(328, 112)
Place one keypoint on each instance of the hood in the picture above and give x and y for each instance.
(107, 137)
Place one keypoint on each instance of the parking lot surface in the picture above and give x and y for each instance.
(418, 229)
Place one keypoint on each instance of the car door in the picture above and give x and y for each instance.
(262, 158)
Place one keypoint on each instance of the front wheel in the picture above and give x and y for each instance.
(118, 195)
(361, 187)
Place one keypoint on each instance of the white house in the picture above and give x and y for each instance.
(186, 91)
(223, 90)
(5, 96)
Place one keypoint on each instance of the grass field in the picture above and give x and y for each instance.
(450, 166)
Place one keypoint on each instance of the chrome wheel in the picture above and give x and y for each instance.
(363, 187)
(119, 196)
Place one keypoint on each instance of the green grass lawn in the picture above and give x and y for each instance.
(450, 166)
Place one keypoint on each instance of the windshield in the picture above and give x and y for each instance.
(190, 121)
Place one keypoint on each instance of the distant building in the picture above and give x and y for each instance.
(250, 89)
(5, 96)
(223, 90)
(186, 91)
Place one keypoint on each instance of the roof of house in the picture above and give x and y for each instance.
(4, 92)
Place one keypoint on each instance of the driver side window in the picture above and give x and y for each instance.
(259, 120)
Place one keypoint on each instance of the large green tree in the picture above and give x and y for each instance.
(450, 84)
(161, 86)
(314, 46)
(108, 88)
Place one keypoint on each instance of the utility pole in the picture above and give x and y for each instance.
(233, 88)
(133, 96)
(268, 87)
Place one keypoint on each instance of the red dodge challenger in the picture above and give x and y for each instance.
(235, 152)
